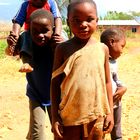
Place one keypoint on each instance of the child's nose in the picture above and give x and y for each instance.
(83, 24)
(41, 35)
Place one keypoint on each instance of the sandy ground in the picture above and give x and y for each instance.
(14, 111)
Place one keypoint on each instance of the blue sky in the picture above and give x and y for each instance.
(8, 8)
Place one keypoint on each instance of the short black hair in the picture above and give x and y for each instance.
(74, 2)
(41, 13)
(111, 33)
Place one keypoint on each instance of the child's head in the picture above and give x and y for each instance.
(41, 26)
(82, 18)
(38, 3)
(115, 39)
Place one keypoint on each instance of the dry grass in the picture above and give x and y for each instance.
(9, 68)
(5, 26)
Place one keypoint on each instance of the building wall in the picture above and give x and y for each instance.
(131, 28)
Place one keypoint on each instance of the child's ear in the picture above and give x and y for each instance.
(111, 42)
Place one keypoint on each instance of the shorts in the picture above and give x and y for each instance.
(89, 131)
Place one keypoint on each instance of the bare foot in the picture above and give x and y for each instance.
(26, 68)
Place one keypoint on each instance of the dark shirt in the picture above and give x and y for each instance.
(38, 81)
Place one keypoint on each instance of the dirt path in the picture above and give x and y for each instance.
(14, 111)
(14, 104)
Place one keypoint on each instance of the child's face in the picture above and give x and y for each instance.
(41, 30)
(116, 48)
(38, 3)
(82, 20)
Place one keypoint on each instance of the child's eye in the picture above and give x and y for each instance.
(90, 19)
(76, 20)
(45, 31)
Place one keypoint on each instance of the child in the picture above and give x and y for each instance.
(115, 40)
(81, 93)
(38, 81)
(22, 17)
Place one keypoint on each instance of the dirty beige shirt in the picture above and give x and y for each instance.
(83, 90)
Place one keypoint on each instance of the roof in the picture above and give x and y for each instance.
(137, 18)
(118, 22)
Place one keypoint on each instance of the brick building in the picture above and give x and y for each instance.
(126, 25)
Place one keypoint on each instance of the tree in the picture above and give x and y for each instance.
(114, 15)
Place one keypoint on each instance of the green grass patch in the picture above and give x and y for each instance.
(3, 45)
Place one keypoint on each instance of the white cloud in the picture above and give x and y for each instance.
(119, 5)
(124, 5)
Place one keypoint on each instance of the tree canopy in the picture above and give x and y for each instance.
(114, 15)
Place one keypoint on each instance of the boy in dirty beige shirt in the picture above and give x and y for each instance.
(81, 92)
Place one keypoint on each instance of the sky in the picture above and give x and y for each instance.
(117, 5)
(8, 8)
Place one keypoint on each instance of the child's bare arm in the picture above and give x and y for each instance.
(109, 122)
(119, 93)
(26, 67)
(55, 95)
(16, 29)
(58, 26)
(55, 100)
(12, 39)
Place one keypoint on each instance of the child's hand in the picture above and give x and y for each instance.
(116, 97)
(108, 124)
(26, 68)
(12, 41)
(119, 93)
(57, 130)
(57, 38)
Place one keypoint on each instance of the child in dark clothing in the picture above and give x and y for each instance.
(38, 81)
